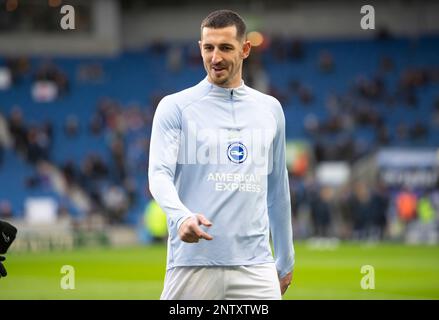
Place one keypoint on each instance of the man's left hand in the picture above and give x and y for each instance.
(285, 282)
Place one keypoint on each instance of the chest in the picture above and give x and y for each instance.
(228, 131)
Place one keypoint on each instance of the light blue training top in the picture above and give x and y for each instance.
(220, 152)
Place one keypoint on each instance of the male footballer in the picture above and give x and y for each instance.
(217, 168)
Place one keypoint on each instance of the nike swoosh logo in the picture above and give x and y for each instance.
(7, 239)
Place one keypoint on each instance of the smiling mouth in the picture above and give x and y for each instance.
(218, 69)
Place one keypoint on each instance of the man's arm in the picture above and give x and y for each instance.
(163, 155)
(279, 204)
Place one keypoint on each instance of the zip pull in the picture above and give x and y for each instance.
(231, 93)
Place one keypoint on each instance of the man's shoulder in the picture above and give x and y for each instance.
(268, 100)
(186, 96)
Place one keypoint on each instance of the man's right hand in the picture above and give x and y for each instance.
(190, 230)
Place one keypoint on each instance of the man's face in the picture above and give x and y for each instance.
(223, 54)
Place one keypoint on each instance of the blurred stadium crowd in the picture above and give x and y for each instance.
(90, 118)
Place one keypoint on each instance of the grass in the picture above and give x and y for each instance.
(401, 272)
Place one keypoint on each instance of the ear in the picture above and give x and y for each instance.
(199, 44)
(246, 48)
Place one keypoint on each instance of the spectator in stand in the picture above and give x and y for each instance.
(418, 131)
(116, 203)
(382, 135)
(38, 145)
(93, 174)
(130, 187)
(6, 210)
(436, 112)
(346, 212)
(47, 129)
(305, 94)
(5, 138)
(174, 59)
(40, 179)
(18, 67)
(402, 131)
(406, 203)
(326, 62)
(90, 73)
(387, 64)
(96, 125)
(48, 71)
(362, 211)
(158, 47)
(279, 49)
(255, 74)
(70, 173)
(193, 57)
(297, 50)
(380, 204)
(321, 211)
(18, 131)
(71, 126)
(1, 153)
(118, 157)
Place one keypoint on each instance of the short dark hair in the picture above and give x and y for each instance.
(225, 18)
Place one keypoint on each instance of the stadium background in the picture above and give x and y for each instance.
(362, 117)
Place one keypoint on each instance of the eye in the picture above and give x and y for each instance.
(208, 48)
(226, 48)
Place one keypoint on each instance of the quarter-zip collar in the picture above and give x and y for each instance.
(226, 93)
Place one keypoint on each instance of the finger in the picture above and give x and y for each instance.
(204, 221)
(284, 288)
(196, 237)
(2, 258)
(191, 240)
(201, 234)
(190, 237)
(206, 236)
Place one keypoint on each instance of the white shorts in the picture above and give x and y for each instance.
(255, 282)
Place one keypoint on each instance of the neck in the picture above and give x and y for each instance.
(235, 83)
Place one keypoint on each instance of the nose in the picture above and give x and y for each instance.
(216, 56)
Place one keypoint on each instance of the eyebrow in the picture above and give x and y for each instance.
(225, 44)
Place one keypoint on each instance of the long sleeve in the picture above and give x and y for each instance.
(164, 147)
(278, 198)
(243, 200)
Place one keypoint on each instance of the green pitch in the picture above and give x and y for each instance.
(401, 272)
